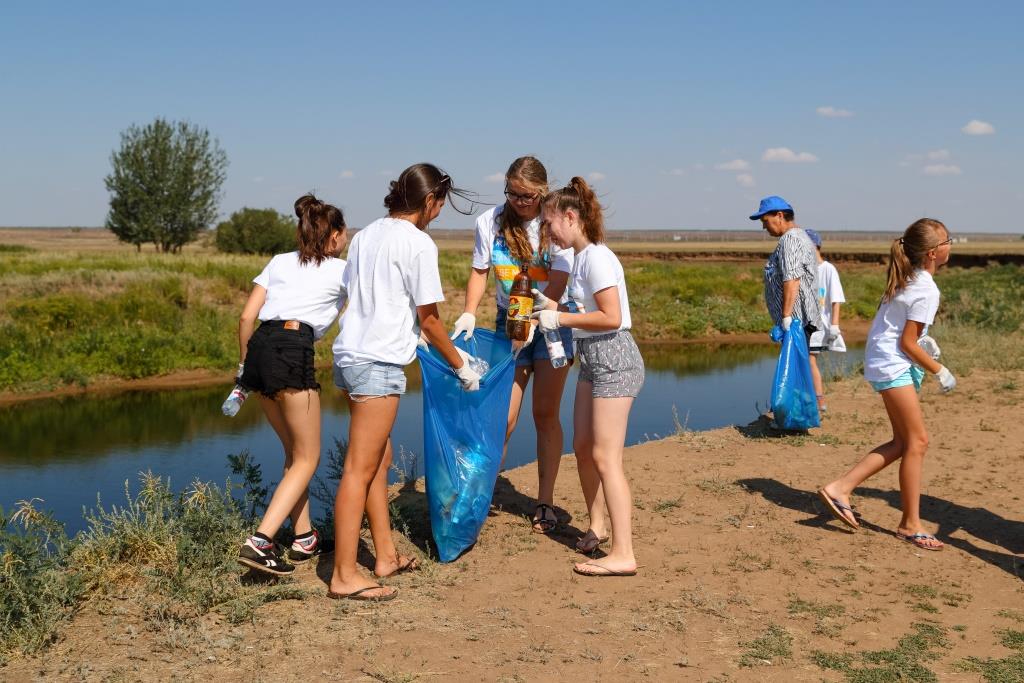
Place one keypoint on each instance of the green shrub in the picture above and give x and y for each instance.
(256, 231)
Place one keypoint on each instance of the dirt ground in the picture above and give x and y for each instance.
(743, 577)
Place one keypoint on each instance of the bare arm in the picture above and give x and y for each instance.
(908, 344)
(557, 281)
(835, 314)
(247, 321)
(475, 288)
(433, 329)
(607, 317)
(790, 290)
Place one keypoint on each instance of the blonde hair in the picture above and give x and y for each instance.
(579, 197)
(530, 172)
(907, 254)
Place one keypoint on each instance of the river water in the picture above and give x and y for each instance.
(71, 452)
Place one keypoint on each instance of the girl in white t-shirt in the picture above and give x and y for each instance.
(393, 286)
(611, 369)
(894, 364)
(507, 236)
(296, 298)
(830, 295)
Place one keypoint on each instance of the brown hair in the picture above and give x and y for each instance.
(530, 172)
(908, 253)
(579, 197)
(409, 193)
(317, 221)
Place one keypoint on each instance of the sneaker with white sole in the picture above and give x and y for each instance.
(265, 559)
(304, 550)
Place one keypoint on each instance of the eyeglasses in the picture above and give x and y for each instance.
(521, 198)
(946, 241)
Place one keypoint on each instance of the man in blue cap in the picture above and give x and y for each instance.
(789, 274)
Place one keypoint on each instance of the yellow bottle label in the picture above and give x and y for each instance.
(520, 307)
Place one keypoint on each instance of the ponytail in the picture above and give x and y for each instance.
(907, 254)
(580, 197)
(408, 194)
(317, 222)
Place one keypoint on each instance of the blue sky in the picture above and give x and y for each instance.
(682, 114)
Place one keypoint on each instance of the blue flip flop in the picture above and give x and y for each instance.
(918, 540)
(837, 508)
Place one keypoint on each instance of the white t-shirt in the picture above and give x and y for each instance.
(830, 291)
(484, 256)
(918, 301)
(595, 268)
(392, 269)
(310, 293)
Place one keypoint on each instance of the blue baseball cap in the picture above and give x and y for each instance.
(815, 237)
(771, 205)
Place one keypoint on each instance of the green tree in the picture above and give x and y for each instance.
(256, 231)
(165, 184)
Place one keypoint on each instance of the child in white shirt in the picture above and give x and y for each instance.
(894, 364)
(830, 296)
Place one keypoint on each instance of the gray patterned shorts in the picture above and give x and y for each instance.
(612, 363)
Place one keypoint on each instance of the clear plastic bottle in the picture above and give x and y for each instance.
(556, 350)
(233, 403)
(479, 365)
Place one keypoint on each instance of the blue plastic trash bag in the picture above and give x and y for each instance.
(794, 403)
(463, 437)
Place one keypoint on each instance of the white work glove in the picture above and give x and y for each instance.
(930, 346)
(466, 323)
(548, 320)
(946, 379)
(423, 343)
(786, 322)
(468, 377)
(833, 334)
(518, 346)
(541, 302)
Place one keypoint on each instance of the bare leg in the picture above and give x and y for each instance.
(548, 384)
(369, 431)
(583, 445)
(522, 378)
(379, 516)
(819, 387)
(296, 414)
(608, 423)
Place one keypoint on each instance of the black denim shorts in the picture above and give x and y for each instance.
(279, 358)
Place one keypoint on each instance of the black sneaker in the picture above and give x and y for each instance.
(306, 549)
(266, 560)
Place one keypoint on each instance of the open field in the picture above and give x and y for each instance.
(744, 577)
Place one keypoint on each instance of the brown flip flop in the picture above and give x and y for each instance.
(358, 595)
(605, 571)
(837, 508)
(412, 565)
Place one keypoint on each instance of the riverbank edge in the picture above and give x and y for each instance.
(854, 332)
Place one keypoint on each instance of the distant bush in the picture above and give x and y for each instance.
(256, 231)
(15, 248)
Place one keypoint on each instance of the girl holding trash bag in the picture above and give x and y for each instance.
(611, 369)
(296, 298)
(393, 285)
(894, 364)
(507, 236)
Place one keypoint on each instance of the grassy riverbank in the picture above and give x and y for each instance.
(71, 318)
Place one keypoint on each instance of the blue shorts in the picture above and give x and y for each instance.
(537, 349)
(912, 375)
(369, 380)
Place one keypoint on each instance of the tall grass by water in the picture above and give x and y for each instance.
(70, 319)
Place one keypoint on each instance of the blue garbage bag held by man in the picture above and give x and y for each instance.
(463, 438)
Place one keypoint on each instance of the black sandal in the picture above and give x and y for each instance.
(541, 523)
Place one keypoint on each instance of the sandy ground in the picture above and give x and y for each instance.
(732, 543)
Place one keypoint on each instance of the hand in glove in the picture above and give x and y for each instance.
(548, 320)
(423, 343)
(786, 322)
(541, 302)
(241, 369)
(468, 377)
(946, 379)
(518, 346)
(930, 346)
(833, 334)
(466, 323)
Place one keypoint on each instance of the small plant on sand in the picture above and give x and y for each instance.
(902, 663)
(1006, 670)
(774, 645)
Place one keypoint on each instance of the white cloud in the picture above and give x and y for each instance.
(833, 113)
(258, 179)
(942, 169)
(596, 175)
(787, 156)
(976, 127)
(495, 178)
(734, 165)
(745, 180)
(938, 155)
(346, 175)
(698, 167)
(677, 171)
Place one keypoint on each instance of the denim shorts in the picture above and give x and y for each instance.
(369, 380)
(612, 364)
(538, 348)
(912, 375)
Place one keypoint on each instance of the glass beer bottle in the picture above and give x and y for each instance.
(520, 306)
